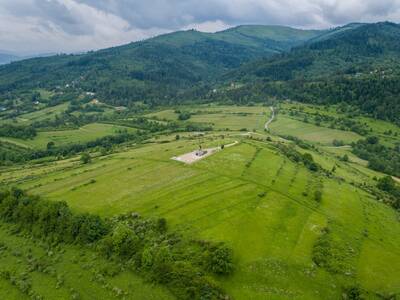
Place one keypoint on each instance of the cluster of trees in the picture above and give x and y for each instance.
(388, 185)
(342, 123)
(294, 155)
(17, 154)
(184, 115)
(20, 131)
(50, 219)
(105, 142)
(297, 141)
(145, 245)
(380, 157)
(11, 153)
(165, 257)
(68, 120)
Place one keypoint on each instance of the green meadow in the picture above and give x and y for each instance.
(253, 198)
(43, 114)
(388, 132)
(285, 125)
(248, 118)
(64, 137)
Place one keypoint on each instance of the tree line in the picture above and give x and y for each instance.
(185, 266)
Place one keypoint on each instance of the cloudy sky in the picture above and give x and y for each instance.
(38, 26)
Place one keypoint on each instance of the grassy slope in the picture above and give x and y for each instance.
(63, 137)
(43, 114)
(73, 269)
(309, 132)
(378, 127)
(221, 117)
(218, 198)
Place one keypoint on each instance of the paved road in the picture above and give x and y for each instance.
(271, 119)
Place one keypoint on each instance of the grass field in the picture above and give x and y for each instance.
(63, 137)
(248, 194)
(221, 117)
(43, 114)
(285, 125)
(376, 127)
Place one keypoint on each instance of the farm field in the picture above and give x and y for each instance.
(388, 132)
(248, 194)
(222, 117)
(63, 137)
(43, 114)
(287, 126)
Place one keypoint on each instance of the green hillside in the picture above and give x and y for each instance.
(356, 64)
(153, 70)
(259, 162)
(302, 247)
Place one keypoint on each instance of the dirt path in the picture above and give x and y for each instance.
(270, 119)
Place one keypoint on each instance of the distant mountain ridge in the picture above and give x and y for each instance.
(159, 67)
(357, 63)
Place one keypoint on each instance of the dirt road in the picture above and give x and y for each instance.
(270, 119)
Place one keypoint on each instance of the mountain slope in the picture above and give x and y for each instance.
(356, 64)
(156, 68)
(359, 47)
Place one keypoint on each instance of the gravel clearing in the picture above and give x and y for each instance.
(192, 157)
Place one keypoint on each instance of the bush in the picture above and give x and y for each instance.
(85, 158)
(220, 260)
(183, 116)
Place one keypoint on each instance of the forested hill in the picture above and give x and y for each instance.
(358, 63)
(153, 69)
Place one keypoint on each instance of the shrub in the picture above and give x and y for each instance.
(85, 158)
(220, 260)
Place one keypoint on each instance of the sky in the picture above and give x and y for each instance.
(55, 26)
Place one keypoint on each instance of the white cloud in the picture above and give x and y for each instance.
(75, 25)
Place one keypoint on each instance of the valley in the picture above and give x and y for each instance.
(248, 194)
(259, 162)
